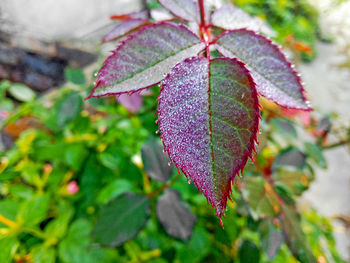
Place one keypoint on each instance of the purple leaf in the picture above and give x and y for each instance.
(230, 17)
(132, 102)
(185, 9)
(123, 28)
(145, 57)
(272, 72)
(208, 119)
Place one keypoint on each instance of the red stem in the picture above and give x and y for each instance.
(202, 11)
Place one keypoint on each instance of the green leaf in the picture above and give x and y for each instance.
(74, 75)
(8, 247)
(42, 254)
(33, 210)
(8, 209)
(285, 127)
(196, 249)
(295, 238)
(73, 248)
(69, 108)
(113, 189)
(21, 92)
(75, 155)
(248, 252)
(262, 200)
(121, 219)
(295, 180)
(57, 227)
(314, 152)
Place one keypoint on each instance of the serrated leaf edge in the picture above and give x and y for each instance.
(278, 49)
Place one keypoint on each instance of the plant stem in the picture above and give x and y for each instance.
(7, 221)
(337, 144)
(202, 13)
(163, 187)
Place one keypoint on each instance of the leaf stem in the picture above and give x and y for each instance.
(163, 187)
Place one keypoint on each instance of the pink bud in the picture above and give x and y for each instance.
(72, 187)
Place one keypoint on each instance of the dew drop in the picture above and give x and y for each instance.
(243, 94)
(95, 74)
(157, 132)
(169, 163)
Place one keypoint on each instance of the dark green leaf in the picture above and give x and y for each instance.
(121, 219)
(69, 108)
(295, 237)
(290, 157)
(155, 161)
(177, 219)
(248, 252)
(271, 238)
(114, 189)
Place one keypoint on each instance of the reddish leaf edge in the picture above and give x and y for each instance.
(279, 50)
(133, 15)
(114, 52)
(250, 148)
(145, 23)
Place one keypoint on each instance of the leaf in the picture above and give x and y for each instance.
(271, 238)
(294, 236)
(145, 57)
(8, 247)
(230, 17)
(8, 209)
(124, 28)
(248, 252)
(114, 189)
(196, 248)
(132, 102)
(69, 108)
(185, 9)
(315, 153)
(42, 254)
(285, 127)
(75, 155)
(295, 180)
(33, 210)
(272, 72)
(121, 219)
(209, 129)
(21, 92)
(74, 75)
(259, 194)
(73, 248)
(291, 157)
(177, 219)
(155, 161)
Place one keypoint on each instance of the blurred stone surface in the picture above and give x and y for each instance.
(52, 20)
(329, 91)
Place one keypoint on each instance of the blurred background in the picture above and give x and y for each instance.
(86, 181)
